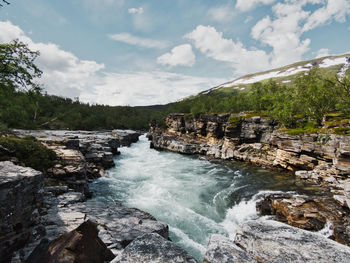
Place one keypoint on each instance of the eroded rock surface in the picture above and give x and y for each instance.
(19, 197)
(223, 250)
(309, 213)
(81, 245)
(271, 241)
(153, 248)
(82, 155)
(118, 225)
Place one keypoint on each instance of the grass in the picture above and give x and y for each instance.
(29, 151)
(342, 131)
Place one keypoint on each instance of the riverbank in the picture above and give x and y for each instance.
(321, 159)
(39, 209)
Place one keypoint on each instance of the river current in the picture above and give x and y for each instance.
(195, 197)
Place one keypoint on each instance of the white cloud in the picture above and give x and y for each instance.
(179, 56)
(135, 10)
(245, 5)
(63, 73)
(138, 41)
(221, 13)
(214, 45)
(283, 33)
(147, 88)
(336, 10)
(67, 75)
(323, 52)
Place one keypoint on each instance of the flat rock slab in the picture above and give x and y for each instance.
(118, 225)
(153, 248)
(272, 241)
(223, 250)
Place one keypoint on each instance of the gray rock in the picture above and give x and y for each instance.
(272, 241)
(153, 248)
(223, 250)
(347, 192)
(19, 195)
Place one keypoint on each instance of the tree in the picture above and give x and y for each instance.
(316, 94)
(4, 2)
(343, 88)
(17, 66)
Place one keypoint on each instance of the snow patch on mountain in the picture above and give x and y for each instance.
(278, 73)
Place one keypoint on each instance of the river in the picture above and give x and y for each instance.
(195, 197)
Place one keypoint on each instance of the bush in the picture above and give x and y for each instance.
(30, 152)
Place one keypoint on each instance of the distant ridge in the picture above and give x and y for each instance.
(285, 74)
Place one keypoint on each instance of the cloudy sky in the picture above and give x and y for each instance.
(129, 52)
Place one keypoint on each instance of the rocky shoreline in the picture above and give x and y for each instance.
(319, 159)
(50, 218)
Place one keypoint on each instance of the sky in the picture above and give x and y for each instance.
(132, 52)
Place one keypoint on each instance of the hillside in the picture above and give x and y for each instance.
(287, 74)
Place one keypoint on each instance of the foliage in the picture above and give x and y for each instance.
(29, 151)
(23, 105)
(315, 93)
(17, 66)
(342, 131)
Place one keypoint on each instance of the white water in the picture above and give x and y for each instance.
(196, 198)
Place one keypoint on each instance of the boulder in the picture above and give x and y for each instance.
(223, 250)
(19, 197)
(81, 245)
(153, 248)
(272, 241)
(309, 213)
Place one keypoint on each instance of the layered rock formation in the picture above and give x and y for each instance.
(82, 155)
(265, 240)
(35, 208)
(153, 248)
(19, 197)
(316, 213)
(81, 245)
(318, 158)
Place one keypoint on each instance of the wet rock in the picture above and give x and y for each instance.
(19, 197)
(223, 250)
(81, 245)
(271, 241)
(153, 248)
(118, 225)
(309, 213)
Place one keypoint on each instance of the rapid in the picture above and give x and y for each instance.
(195, 197)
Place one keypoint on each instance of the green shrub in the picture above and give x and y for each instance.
(342, 131)
(30, 152)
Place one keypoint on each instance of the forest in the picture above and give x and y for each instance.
(25, 105)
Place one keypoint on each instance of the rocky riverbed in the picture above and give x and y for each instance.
(320, 159)
(48, 217)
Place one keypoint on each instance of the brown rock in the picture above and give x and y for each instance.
(81, 245)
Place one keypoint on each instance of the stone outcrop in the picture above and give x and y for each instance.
(19, 197)
(153, 248)
(222, 250)
(81, 245)
(63, 211)
(309, 213)
(317, 158)
(82, 155)
(271, 241)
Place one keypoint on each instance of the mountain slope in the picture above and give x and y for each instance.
(337, 64)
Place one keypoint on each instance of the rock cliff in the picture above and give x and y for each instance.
(318, 158)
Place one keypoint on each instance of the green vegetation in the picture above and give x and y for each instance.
(30, 152)
(299, 106)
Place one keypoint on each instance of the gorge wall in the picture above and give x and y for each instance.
(322, 158)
